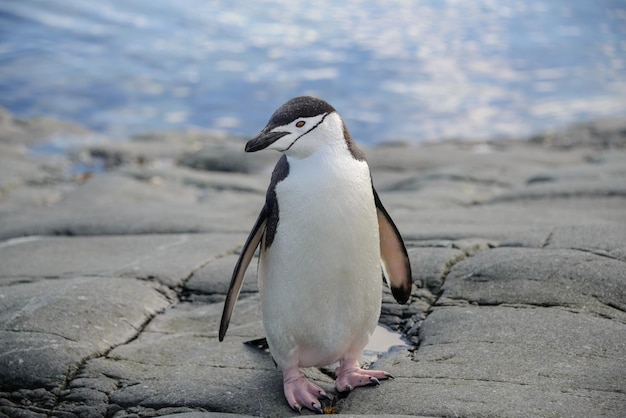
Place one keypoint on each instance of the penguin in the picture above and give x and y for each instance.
(326, 243)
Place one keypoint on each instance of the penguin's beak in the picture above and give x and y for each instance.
(263, 140)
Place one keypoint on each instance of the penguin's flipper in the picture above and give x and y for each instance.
(247, 252)
(395, 260)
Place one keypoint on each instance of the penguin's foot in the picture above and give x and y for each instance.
(301, 393)
(350, 375)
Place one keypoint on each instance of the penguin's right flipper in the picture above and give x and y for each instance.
(395, 260)
(247, 252)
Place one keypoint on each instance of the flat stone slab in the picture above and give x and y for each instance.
(505, 361)
(542, 277)
(51, 327)
(604, 240)
(177, 361)
(214, 278)
(117, 203)
(143, 256)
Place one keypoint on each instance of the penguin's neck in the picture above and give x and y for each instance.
(330, 169)
(328, 159)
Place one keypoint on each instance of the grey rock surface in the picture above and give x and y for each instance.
(542, 277)
(505, 361)
(112, 282)
(50, 327)
(36, 130)
(139, 256)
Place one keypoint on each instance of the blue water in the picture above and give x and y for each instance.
(396, 70)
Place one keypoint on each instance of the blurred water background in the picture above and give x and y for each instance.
(396, 70)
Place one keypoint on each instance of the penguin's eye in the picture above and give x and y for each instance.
(300, 124)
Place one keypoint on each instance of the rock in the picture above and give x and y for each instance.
(605, 240)
(149, 148)
(111, 285)
(504, 361)
(543, 277)
(51, 327)
(431, 265)
(178, 362)
(36, 130)
(203, 415)
(25, 182)
(601, 134)
(214, 277)
(16, 168)
(118, 203)
(450, 175)
(229, 157)
(200, 180)
(145, 257)
(596, 178)
(504, 222)
(571, 189)
(206, 151)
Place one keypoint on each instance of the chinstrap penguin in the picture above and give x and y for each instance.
(325, 237)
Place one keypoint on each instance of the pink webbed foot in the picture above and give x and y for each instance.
(301, 393)
(350, 375)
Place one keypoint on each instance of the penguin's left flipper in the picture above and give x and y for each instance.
(395, 260)
(243, 262)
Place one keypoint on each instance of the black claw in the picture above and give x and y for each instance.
(317, 408)
(389, 376)
(374, 381)
(324, 395)
(297, 408)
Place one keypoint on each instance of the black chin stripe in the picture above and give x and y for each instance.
(316, 125)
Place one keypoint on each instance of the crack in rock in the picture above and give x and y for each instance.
(437, 260)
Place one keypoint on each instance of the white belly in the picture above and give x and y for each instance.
(321, 280)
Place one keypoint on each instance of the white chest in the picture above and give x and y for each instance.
(323, 266)
(327, 215)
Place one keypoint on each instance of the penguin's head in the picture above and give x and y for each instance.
(301, 127)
